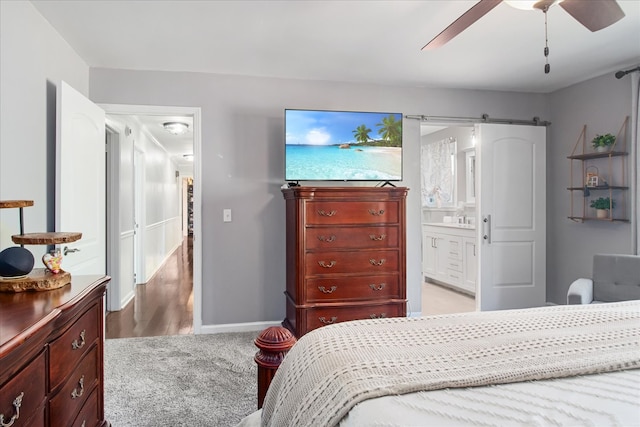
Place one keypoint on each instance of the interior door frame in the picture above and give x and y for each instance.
(442, 121)
(195, 112)
(112, 137)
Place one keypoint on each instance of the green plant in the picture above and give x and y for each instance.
(603, 203)
(605, 140)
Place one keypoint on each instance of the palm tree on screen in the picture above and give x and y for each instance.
(391, 130)
(361, 133)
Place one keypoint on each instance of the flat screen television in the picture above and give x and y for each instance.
(323, 145)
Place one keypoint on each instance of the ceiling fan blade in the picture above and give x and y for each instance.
(594, 14)
(462, 23)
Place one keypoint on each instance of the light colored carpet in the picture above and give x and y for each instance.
(184, 380)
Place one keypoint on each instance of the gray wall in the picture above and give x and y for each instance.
(243, 167)
(34, 58)
(602, 104)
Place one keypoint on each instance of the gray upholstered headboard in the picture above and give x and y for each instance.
(616, 277)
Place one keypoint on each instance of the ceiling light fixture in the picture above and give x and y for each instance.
(188, 157)
(532, 4)
(176, 128)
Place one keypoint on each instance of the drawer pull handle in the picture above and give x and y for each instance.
(17, 403)
(325, 265)
(381, 316)
(84, 423)
(378, 263)
(376, 213)
(379, 238)
(77, 393)
(323, 213)
(377, 287)
(75, 345)
(324, 320)
(327, 239)
(327, 291)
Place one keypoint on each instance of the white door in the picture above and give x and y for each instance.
(80, 180)
(512, 209)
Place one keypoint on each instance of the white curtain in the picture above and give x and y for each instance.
(438, 173)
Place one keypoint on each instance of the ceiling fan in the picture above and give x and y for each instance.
(593, 14)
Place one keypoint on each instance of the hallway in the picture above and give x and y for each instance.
(164, 305)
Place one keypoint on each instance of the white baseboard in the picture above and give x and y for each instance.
(414, 314)
(237, 327)
(127, 299)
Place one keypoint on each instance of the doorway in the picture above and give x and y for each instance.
(141, 229)
(448, 218)
(498, 241)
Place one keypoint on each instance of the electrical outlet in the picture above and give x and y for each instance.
(226, 215)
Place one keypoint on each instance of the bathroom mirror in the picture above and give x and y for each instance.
(470, 173)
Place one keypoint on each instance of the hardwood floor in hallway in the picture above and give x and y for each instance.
(162, 306)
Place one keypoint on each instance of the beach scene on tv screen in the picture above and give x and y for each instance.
(343, 145)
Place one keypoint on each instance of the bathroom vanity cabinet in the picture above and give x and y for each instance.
(449, 255)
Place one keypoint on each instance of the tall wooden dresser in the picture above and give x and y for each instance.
(345, 255)
(51, 355)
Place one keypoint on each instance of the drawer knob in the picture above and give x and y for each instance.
(78, 391)
(378, 316)
(378, 238)
(75, 345)
(327, 291)
(377, 287)
(325, 265)
(324, 320)
(324, 213)
(17, 403)
(376, 213)
(378, 263)
(327, 239)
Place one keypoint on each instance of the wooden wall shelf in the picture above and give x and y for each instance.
(612, 173)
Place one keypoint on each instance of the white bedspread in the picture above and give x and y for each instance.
(332, 369)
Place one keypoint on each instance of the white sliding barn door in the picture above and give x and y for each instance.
(80, 180)
(512, 216)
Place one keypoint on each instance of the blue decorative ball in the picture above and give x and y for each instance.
(15, 261)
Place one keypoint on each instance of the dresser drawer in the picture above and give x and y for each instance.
(25, 392)
(369, 262)
(344, 212)
(64, 406)
(318, 317)
(352, 237)
(88, 415)
(66, 351)
(352, 288)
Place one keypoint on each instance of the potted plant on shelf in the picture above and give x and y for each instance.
(602, 206)
(604, 142)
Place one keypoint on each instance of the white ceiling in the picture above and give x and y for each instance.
(351, 41)
(176, 146)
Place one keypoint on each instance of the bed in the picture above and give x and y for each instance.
(559, 365)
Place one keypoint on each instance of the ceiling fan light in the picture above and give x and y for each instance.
(531, 4)
(176, 128)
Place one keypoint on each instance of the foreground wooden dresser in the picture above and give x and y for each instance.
(51, 355)
(345, 255)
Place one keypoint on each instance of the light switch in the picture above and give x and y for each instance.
(226, 215)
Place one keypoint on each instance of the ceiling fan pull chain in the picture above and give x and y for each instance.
(547, 67)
